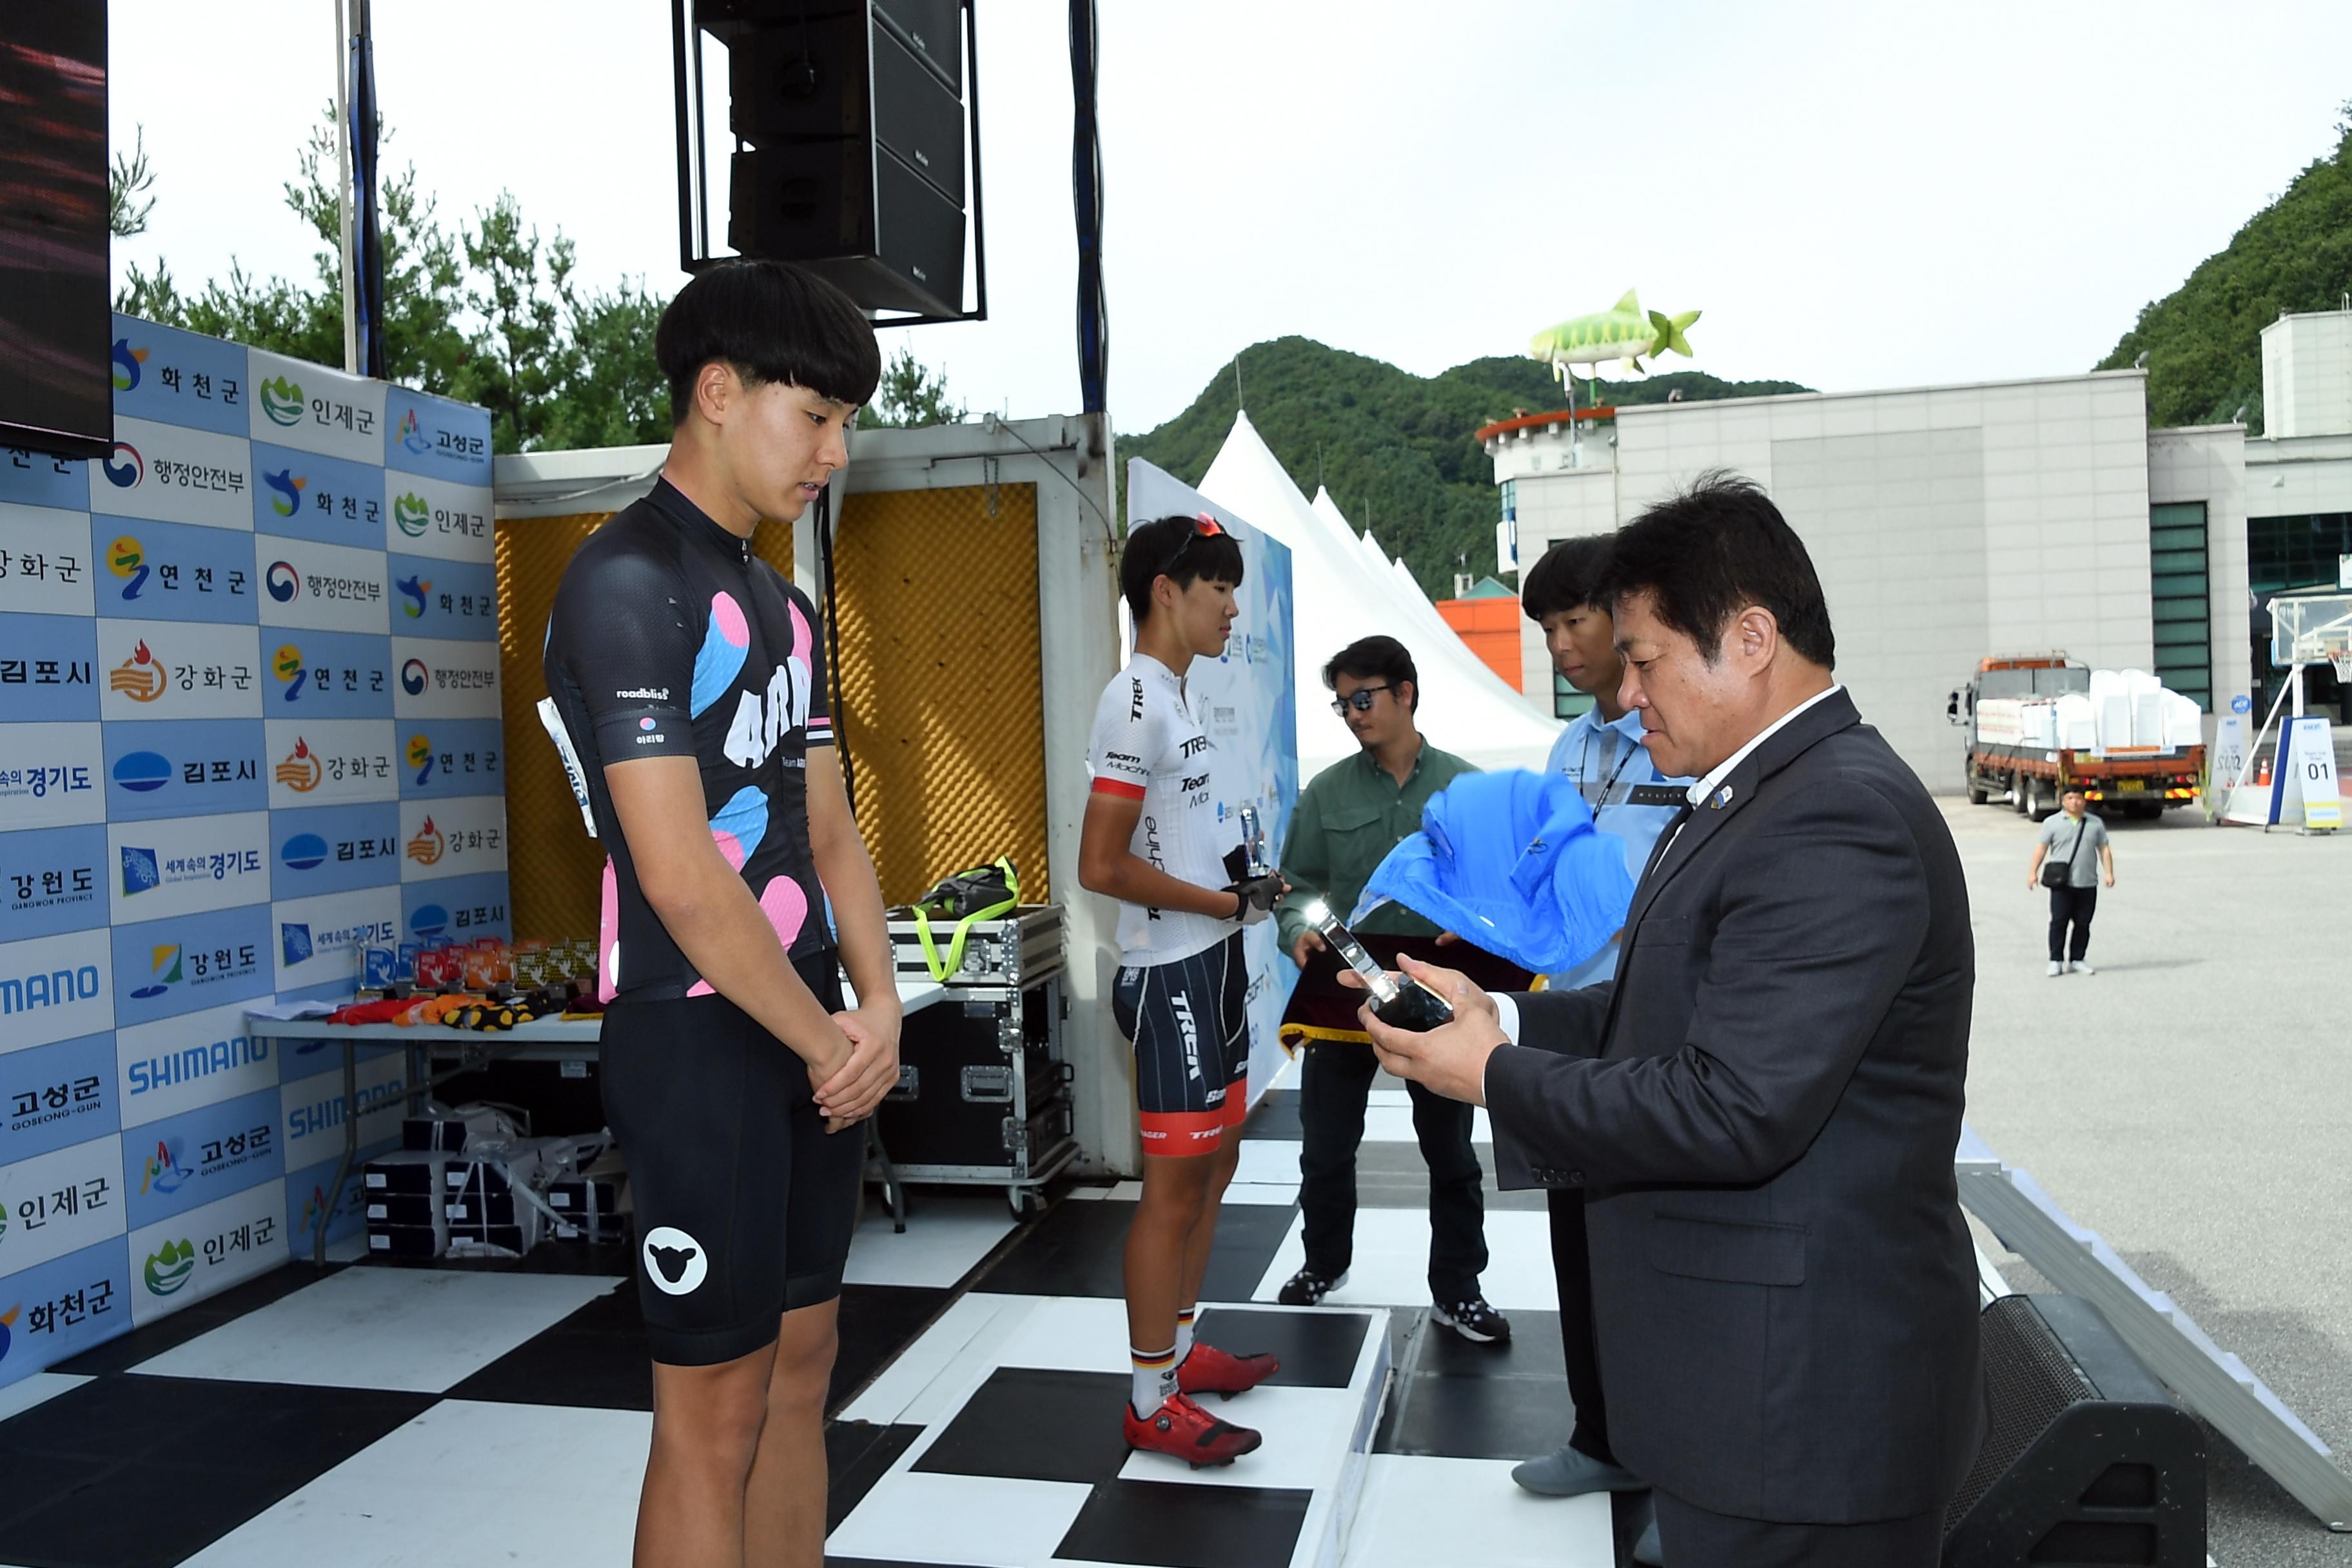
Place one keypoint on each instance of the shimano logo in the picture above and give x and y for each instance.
(21, 994)
(646, 693)
(197, 1061)
(327, 1114)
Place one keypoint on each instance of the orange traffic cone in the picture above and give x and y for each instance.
(2262, 774)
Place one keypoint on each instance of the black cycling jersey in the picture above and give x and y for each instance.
(669, 638)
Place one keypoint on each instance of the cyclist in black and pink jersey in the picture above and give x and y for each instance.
(1151, 841)
(687, 692)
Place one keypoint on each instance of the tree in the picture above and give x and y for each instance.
(532, 357)
(911, 393)
(2203, 340)
(126, 182)
(488, 315)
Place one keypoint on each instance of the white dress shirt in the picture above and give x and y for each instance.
(1706, 786)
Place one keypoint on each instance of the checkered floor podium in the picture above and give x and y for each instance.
(386, 1415)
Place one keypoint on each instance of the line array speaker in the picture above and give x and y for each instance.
(852, 143)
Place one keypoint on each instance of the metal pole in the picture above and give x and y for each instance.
(343, 186)
(351, 1150)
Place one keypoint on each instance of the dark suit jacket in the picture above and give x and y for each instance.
(1761, 1108)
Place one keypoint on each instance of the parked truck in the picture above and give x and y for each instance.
(2037, 725)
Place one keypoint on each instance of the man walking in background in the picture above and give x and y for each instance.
(1348, 818)
(2072, 879)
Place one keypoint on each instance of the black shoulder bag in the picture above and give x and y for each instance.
(2060, 874)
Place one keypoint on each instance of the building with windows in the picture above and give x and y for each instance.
(1947, 524)
(2298, 482)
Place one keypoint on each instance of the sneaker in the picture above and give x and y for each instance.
(1569, 1473)
(1307, 1289)
(1209, 1370)
(1182, 1430)
(2056, 969)
(1474, 1321)
(2079, 967)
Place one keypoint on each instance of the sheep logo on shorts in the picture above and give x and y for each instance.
(674, 1261)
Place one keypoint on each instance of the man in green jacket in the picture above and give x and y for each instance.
(1347, 819)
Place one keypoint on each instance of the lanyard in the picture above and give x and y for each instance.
(1599, 800)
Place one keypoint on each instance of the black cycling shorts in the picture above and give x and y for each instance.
(743, 1202)
(1189, 1022)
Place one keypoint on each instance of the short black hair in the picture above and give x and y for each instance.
(1371, 657)
(1710, 549)
(1175, 548)
(772, 322)
(1568, 578)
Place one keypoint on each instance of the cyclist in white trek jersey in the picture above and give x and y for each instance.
(1148, 746)
(1151, 841)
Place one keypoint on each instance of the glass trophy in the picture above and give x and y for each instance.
(1399, 1001)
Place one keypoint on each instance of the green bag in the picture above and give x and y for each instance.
(981, 893)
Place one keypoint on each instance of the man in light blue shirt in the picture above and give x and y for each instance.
(1601, 750)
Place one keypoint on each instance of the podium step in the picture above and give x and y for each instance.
(1009, 1406)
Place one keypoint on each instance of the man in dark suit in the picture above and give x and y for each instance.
(1761, 1106)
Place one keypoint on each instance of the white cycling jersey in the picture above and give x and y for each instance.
(1147, 746)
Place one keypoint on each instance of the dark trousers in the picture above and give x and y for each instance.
(1335, 1078)
(1572, 1269)
(1689, 1533)
(2076, 905)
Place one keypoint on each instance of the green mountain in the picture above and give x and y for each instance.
(2203, 340)
(1394, 448)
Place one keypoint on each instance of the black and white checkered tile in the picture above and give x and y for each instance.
(403, 1415)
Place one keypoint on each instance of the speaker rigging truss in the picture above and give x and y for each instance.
(853, 129)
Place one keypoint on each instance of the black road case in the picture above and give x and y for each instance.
(983, 1096)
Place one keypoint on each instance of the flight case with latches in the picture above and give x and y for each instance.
(983, 1095)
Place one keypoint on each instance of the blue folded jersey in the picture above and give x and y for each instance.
(1510, 862)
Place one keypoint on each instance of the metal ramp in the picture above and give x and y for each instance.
(2211, 1382)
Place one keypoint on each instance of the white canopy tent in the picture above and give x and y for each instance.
(1339, 594)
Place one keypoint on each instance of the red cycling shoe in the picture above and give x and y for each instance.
(1182, 1430)
(1209, 1370)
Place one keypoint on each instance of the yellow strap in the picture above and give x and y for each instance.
(1290, 1036)
(941, 969)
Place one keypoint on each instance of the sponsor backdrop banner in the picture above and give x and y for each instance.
(1251, 720)
(249, 727)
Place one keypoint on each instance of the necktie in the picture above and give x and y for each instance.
(1667, 838)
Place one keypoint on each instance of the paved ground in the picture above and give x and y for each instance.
(2192, 1102)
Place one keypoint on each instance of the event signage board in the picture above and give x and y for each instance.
(56, 1095)
(1251, 715)
(209, 755)
(2305, 790)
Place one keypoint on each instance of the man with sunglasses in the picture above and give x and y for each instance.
(1151, 839)
(1348, 818)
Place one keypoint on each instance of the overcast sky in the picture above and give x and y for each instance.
(1856, 194)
